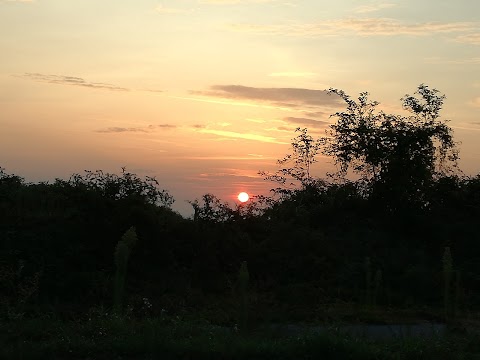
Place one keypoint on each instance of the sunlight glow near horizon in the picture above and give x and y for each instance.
(188, 90)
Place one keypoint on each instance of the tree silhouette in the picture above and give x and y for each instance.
(375, 144)
(211, 209)
(121, 187)
(397, 155)
(295, 168)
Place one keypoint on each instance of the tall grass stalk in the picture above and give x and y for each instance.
(243, 279)
(447, 279)
(377, 284)
(368, 282)
(122, 254)
(456, 308)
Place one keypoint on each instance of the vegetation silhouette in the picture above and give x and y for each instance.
(357, 244)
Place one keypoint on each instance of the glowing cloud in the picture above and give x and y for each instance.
(71, 80)
(254, 137)
(145, 129)
(374, 7)
(307, 122)
(285, 97)
(473, 39)
(363, 27)
(292, 74)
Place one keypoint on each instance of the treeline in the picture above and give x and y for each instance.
(314, 247)
(404, 234)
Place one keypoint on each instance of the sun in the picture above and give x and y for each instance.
(243, 197)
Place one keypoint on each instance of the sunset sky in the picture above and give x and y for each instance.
(203, 94)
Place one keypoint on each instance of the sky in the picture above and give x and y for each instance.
(202, 94)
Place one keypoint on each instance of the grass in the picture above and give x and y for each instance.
(113, 337)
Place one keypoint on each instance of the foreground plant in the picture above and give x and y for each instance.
(243, 278)
(122, 254)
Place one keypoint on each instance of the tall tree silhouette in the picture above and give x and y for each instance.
(398, 155)
(295, 168)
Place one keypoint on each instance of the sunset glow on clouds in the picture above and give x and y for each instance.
(203, 94)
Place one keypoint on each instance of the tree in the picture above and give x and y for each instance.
(296, 167)
(10, 185)
(117, 187)
(400, 153)
(212, 210)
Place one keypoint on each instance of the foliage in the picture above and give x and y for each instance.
(381, 146)
(211, 209)
(397, 156)
(17, 289)
(9, 179)
(67, 232)
(451, 294)
(243, 279)
(296, 167)
(120, 187)
(122, 254)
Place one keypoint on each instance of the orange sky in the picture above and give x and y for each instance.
(203, 94)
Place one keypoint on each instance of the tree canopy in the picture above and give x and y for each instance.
(395, 156)
(384, 147)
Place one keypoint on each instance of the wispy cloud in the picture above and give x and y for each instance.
(78, 81)
(473, 38)
(317, 114)
(245, 136)
(362, 27)
(17, 1)
(374, 7)
(292, 74)
(225, 158)
(307, 122)
(257, 121)
(71, 80)
(314, 130)
(226, 102)
(121, 130)
(466, 61)
(472, 126)
(153, 90)
(282, 128)
(144, 129)
(284, 97)
(231, 172)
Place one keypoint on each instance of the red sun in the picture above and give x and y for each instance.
(243, 197)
